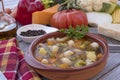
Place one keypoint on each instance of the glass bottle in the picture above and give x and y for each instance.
(7, 23)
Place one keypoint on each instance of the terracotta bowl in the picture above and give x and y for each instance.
(52, 73)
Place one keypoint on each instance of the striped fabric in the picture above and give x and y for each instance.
(12, 63)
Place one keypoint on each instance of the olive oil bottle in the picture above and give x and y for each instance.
(8, 24)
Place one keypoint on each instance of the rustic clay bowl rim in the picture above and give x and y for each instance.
(36, 64)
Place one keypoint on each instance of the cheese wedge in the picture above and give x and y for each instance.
(43, 17)
(110, 30)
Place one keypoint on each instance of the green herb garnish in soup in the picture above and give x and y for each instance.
(69, 51)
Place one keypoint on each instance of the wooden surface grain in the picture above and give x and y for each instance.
(112, 68)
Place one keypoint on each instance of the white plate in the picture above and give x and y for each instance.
(33, 27)
(9, 27)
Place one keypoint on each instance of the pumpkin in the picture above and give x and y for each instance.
(44, 16)
(66, 18)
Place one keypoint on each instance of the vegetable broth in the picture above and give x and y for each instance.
(66, 52)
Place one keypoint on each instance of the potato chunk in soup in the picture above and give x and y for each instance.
(67, 52)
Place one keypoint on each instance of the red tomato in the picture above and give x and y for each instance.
(65, 18)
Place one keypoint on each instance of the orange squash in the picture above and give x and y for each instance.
(44, 17)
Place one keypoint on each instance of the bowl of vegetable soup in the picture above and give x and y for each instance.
(58, 56)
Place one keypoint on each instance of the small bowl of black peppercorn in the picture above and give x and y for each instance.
(29, 33)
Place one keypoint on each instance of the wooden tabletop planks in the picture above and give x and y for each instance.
(112, 68)
(113, 63)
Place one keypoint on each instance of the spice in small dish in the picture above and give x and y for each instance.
(30, 33)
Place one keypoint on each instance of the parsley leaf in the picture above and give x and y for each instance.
(77, 32)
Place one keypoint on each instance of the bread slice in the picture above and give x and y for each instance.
(110, 30)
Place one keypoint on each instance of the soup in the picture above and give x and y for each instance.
(67, 52)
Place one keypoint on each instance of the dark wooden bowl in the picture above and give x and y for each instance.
(54, 73)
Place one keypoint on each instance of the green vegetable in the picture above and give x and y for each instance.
(78, 32)
(68, 4)
(106, 7)
(112, 8)
(58, 1)
(47, 3)
(79, 63)
(85, 44)
(50, 3)
(117, 7)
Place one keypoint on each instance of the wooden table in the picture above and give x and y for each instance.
(112, 68)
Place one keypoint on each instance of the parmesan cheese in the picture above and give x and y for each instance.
(110, 30)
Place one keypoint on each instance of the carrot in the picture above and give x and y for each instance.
(52, 60)
(100, 55)
(64, 65)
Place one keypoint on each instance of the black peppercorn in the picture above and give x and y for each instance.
(31, 33)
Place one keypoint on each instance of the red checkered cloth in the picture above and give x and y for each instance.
(12, 62)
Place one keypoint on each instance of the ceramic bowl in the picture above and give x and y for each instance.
(53, 73)
(33, 27)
